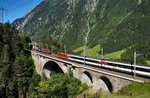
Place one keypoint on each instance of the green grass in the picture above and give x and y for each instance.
(138, 90)
(124, 96)
(80, 49)
(93, 52)
(89, 93)
(114, 96)
(115, 55)
(148, 62)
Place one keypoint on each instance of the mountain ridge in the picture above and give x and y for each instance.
(114, 24)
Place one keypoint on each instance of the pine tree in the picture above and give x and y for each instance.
(6, 69)
(16, 64)
(16, 44)
(23, 72)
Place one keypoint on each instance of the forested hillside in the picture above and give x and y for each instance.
(53, 45)
(115, 25)
(16, 65)
(18, 77)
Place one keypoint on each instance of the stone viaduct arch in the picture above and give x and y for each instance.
(89, 75)
(108, 84)
(87, 78)
(51, 66)
(46, 65)
(95, 78)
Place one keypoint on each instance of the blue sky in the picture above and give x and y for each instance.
(17, 8)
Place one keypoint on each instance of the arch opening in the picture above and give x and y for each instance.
(108, 84)
(30, 46)
(87, 78)
(51, 67)
(89, 75)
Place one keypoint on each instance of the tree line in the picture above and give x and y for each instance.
(18, 77)
(16, 64)
(53, 45)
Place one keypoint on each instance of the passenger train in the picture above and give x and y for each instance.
(141, 70)
(128, 68)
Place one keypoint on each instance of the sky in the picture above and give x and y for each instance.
(16, 8)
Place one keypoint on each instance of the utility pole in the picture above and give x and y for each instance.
(102, 52)
(46, 46)
(65, 48)
(2, 9)
(136, 55)
(134, 64)
(52, 49)
(84, 55)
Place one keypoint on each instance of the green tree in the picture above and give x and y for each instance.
(60, 86)
(23, 72)
(33, 83)
(16, 44)
(6, 71)
(25, 40)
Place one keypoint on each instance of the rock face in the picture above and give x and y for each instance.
(89, 22)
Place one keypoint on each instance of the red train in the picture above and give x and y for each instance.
(41, 50)
(62, 55)
(46, 51)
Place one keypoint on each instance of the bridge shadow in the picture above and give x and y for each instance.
(89, 76)
(50, 68)
(108, 83)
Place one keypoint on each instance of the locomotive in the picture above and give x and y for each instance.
(41, 50)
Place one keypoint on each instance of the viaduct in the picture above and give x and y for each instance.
(98, 79)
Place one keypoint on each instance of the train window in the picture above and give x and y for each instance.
(143, 69)
(94, 61)
(77, 58)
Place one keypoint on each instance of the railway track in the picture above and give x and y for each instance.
(101, 69)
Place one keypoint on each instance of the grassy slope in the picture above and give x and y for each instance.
(80, 49)
(138, 90)
(115, 55)
(148, 62)
(94, 52)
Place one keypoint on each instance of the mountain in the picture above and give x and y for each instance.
(113, 24)
(66, 20)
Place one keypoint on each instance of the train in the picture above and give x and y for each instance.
(127, 68)
(41, 50)
(63, 55)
